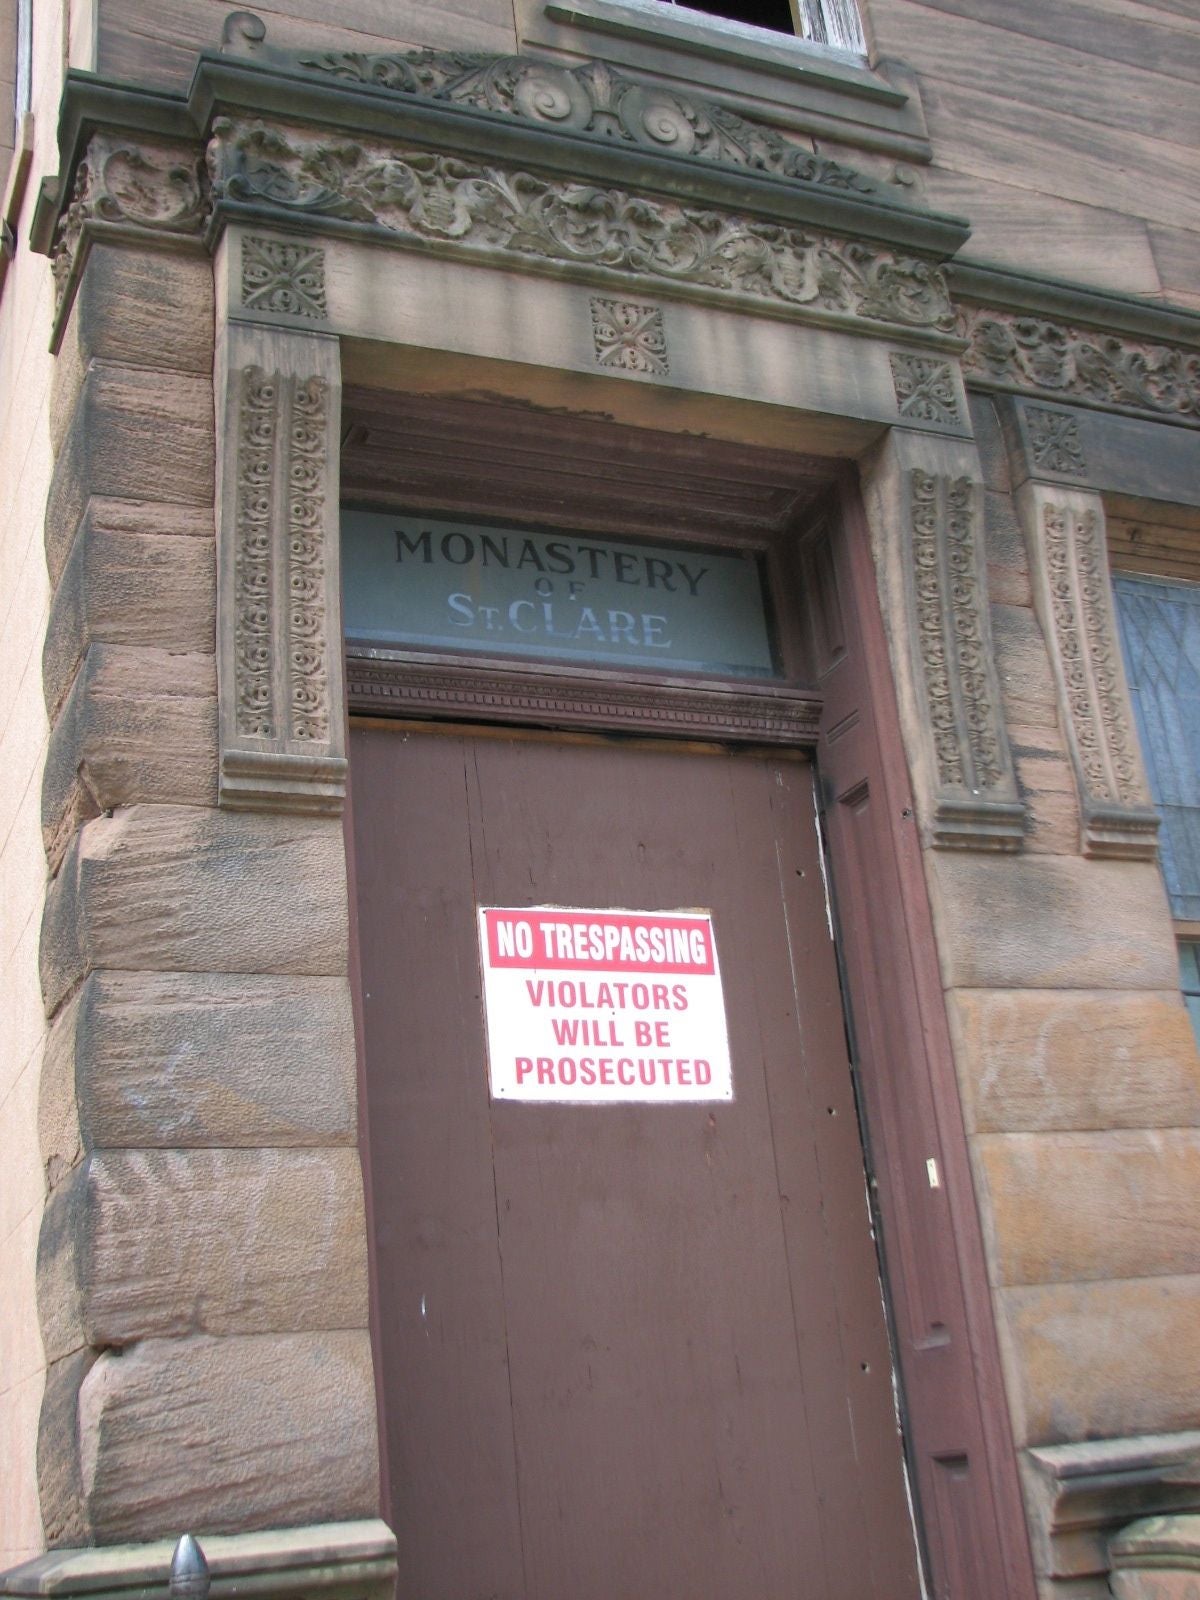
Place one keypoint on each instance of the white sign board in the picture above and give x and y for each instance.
(598, 1007)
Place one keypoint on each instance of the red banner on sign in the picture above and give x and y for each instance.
(572, 941)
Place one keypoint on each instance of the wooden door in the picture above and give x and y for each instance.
(626, 1351)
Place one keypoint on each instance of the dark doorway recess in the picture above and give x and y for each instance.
(524, 1463)
(773, 14)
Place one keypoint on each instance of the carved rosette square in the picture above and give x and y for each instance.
(925, 390)
(282, 277)
(630, 337)
(1054, 442)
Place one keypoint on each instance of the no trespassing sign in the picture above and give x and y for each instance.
(603, 1006)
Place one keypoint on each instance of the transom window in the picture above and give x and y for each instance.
(835, 23)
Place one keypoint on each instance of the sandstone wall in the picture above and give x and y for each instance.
(25, 374)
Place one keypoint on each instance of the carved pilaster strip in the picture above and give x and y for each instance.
(282, 722)
(976, 801)
(1069, 567)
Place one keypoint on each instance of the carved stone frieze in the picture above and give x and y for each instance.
(630, 337)
(1073, 593)
(145, 184)
(280, 681)
(975, 803)
(477, 209)
(283, 277)
(595, 99)
(1009, 351)
(925, 389)
(1054, 442)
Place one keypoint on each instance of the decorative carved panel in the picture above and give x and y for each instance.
(1073, 594)
(975, 804)
(280, 680)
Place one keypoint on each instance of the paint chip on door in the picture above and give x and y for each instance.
(596, 1007)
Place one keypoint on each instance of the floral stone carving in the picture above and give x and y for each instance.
(451, 202)
(1054, 441)
(976, 803)
(630, 337)
(924, 388)
(283, 277)
(593, 99)
(1006, 350)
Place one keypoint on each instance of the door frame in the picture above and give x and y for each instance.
(968, 1514)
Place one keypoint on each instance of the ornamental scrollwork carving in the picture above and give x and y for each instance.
(975, 791)
(1006, 350)
(156, 185)
(592, 99)
(477, 208)
(279, 559)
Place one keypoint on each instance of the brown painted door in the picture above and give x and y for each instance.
(628, 1352)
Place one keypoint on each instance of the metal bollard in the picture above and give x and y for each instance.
(189, 1571)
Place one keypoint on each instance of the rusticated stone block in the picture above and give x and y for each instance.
(1045, 1059)
(179, 1059)
(176, 888)
(1065, 1207)
(1048, 922)
(1101, 1360)
(144, 308)
(134, 434)
(147, 1243)
(137, 725)
(60, 1484)
(221, 1435)
(131, 579)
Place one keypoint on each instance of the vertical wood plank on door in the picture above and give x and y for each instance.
(445, 1363)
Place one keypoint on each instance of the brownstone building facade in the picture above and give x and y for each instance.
(597, 472)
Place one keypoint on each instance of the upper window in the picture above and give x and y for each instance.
(834, 23)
